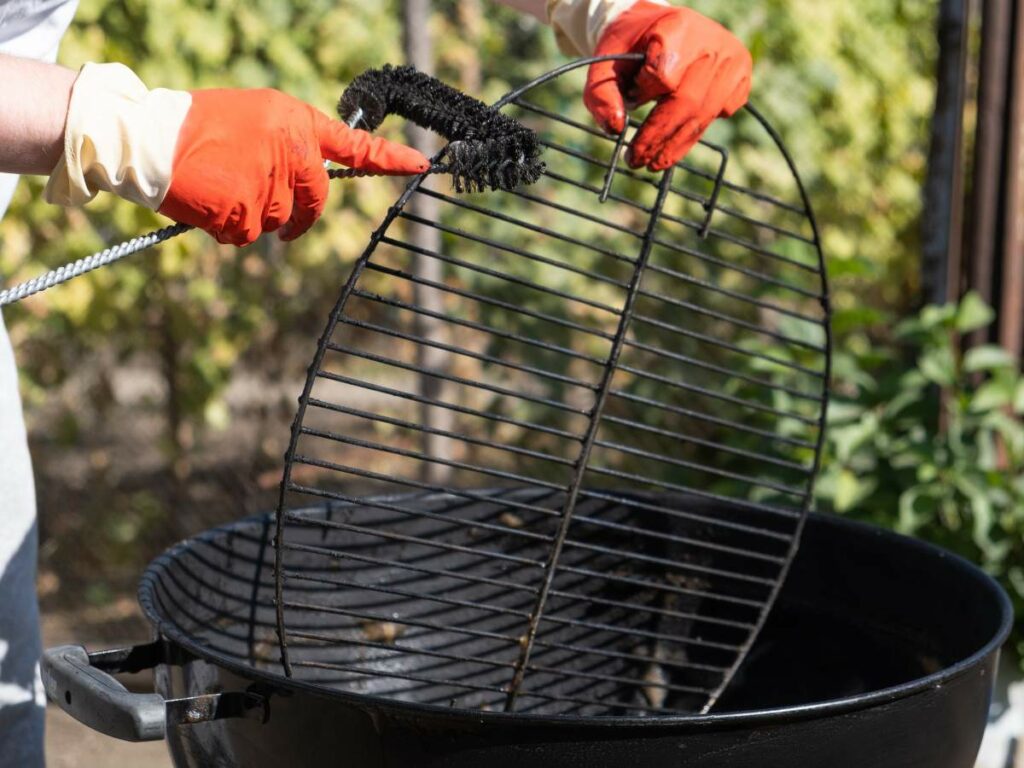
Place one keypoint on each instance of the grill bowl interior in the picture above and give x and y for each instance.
(863, 611)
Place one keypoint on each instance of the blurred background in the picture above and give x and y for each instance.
(159, 392)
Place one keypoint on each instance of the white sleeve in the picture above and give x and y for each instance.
(120, 137)
(538, 8)
(578, 24)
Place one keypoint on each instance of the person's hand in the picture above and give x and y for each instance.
(252, 161)
(236, 163)
(694, 68)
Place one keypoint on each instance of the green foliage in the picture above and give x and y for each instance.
(848, 85)
(935, 449)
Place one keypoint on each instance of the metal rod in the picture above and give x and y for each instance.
(486, 415)
(460, 436)
(713, 395)
(711, 419)
(521, 252)
(421, 456)
(666, 354)
(487, 329)
(503, 276)
(756, 482)
(718, 343)
(696, 226)
(682, 166)
(572, 597)
(609, 176)
(515, 308)
(591, 493)
(689, 489)
(718, 446)
(540, 643)
(472, 384)
(588, 443)
(689, 252)
(504, 362)
(533, 227)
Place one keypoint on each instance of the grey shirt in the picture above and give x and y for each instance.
(31, 28)
(18, 16)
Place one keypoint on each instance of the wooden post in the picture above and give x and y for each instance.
(943, 214)
(1011, 300)
(986, 219)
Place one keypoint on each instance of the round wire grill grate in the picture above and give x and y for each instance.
(563, 448)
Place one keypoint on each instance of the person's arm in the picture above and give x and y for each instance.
(33, 108)
(233, 162)
(694, 69)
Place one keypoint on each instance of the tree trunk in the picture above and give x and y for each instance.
(420, 54)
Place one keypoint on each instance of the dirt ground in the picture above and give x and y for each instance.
(71, 745)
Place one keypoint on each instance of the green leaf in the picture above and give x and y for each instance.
(988, 357)
(916, 507)
(973, 313)
(938, 366)
(848, 439)
(991, 395)
(1018, 397)
(933, 316)
(842, 413)
(848, 491)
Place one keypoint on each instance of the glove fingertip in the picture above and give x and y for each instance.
(389, 158)
(407, 160)
(607, 106)
(637, 156)
(611, 120)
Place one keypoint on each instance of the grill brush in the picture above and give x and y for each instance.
(486, 150)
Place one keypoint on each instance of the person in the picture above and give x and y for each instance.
(240, 163)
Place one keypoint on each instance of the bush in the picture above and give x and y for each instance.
(930, 442)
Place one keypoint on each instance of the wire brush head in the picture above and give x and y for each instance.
(486, 149)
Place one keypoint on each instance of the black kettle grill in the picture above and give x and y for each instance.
(880, 653)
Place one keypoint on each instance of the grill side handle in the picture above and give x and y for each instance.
(84, 686)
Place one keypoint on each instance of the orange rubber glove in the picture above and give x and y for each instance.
(695, 69)
(235, 163)
(252, 161)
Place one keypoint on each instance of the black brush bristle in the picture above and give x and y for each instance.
(486, 149)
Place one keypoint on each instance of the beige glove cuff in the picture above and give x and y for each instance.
(119, 137)
(579, 24)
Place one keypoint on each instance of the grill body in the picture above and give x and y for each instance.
(880, 654)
